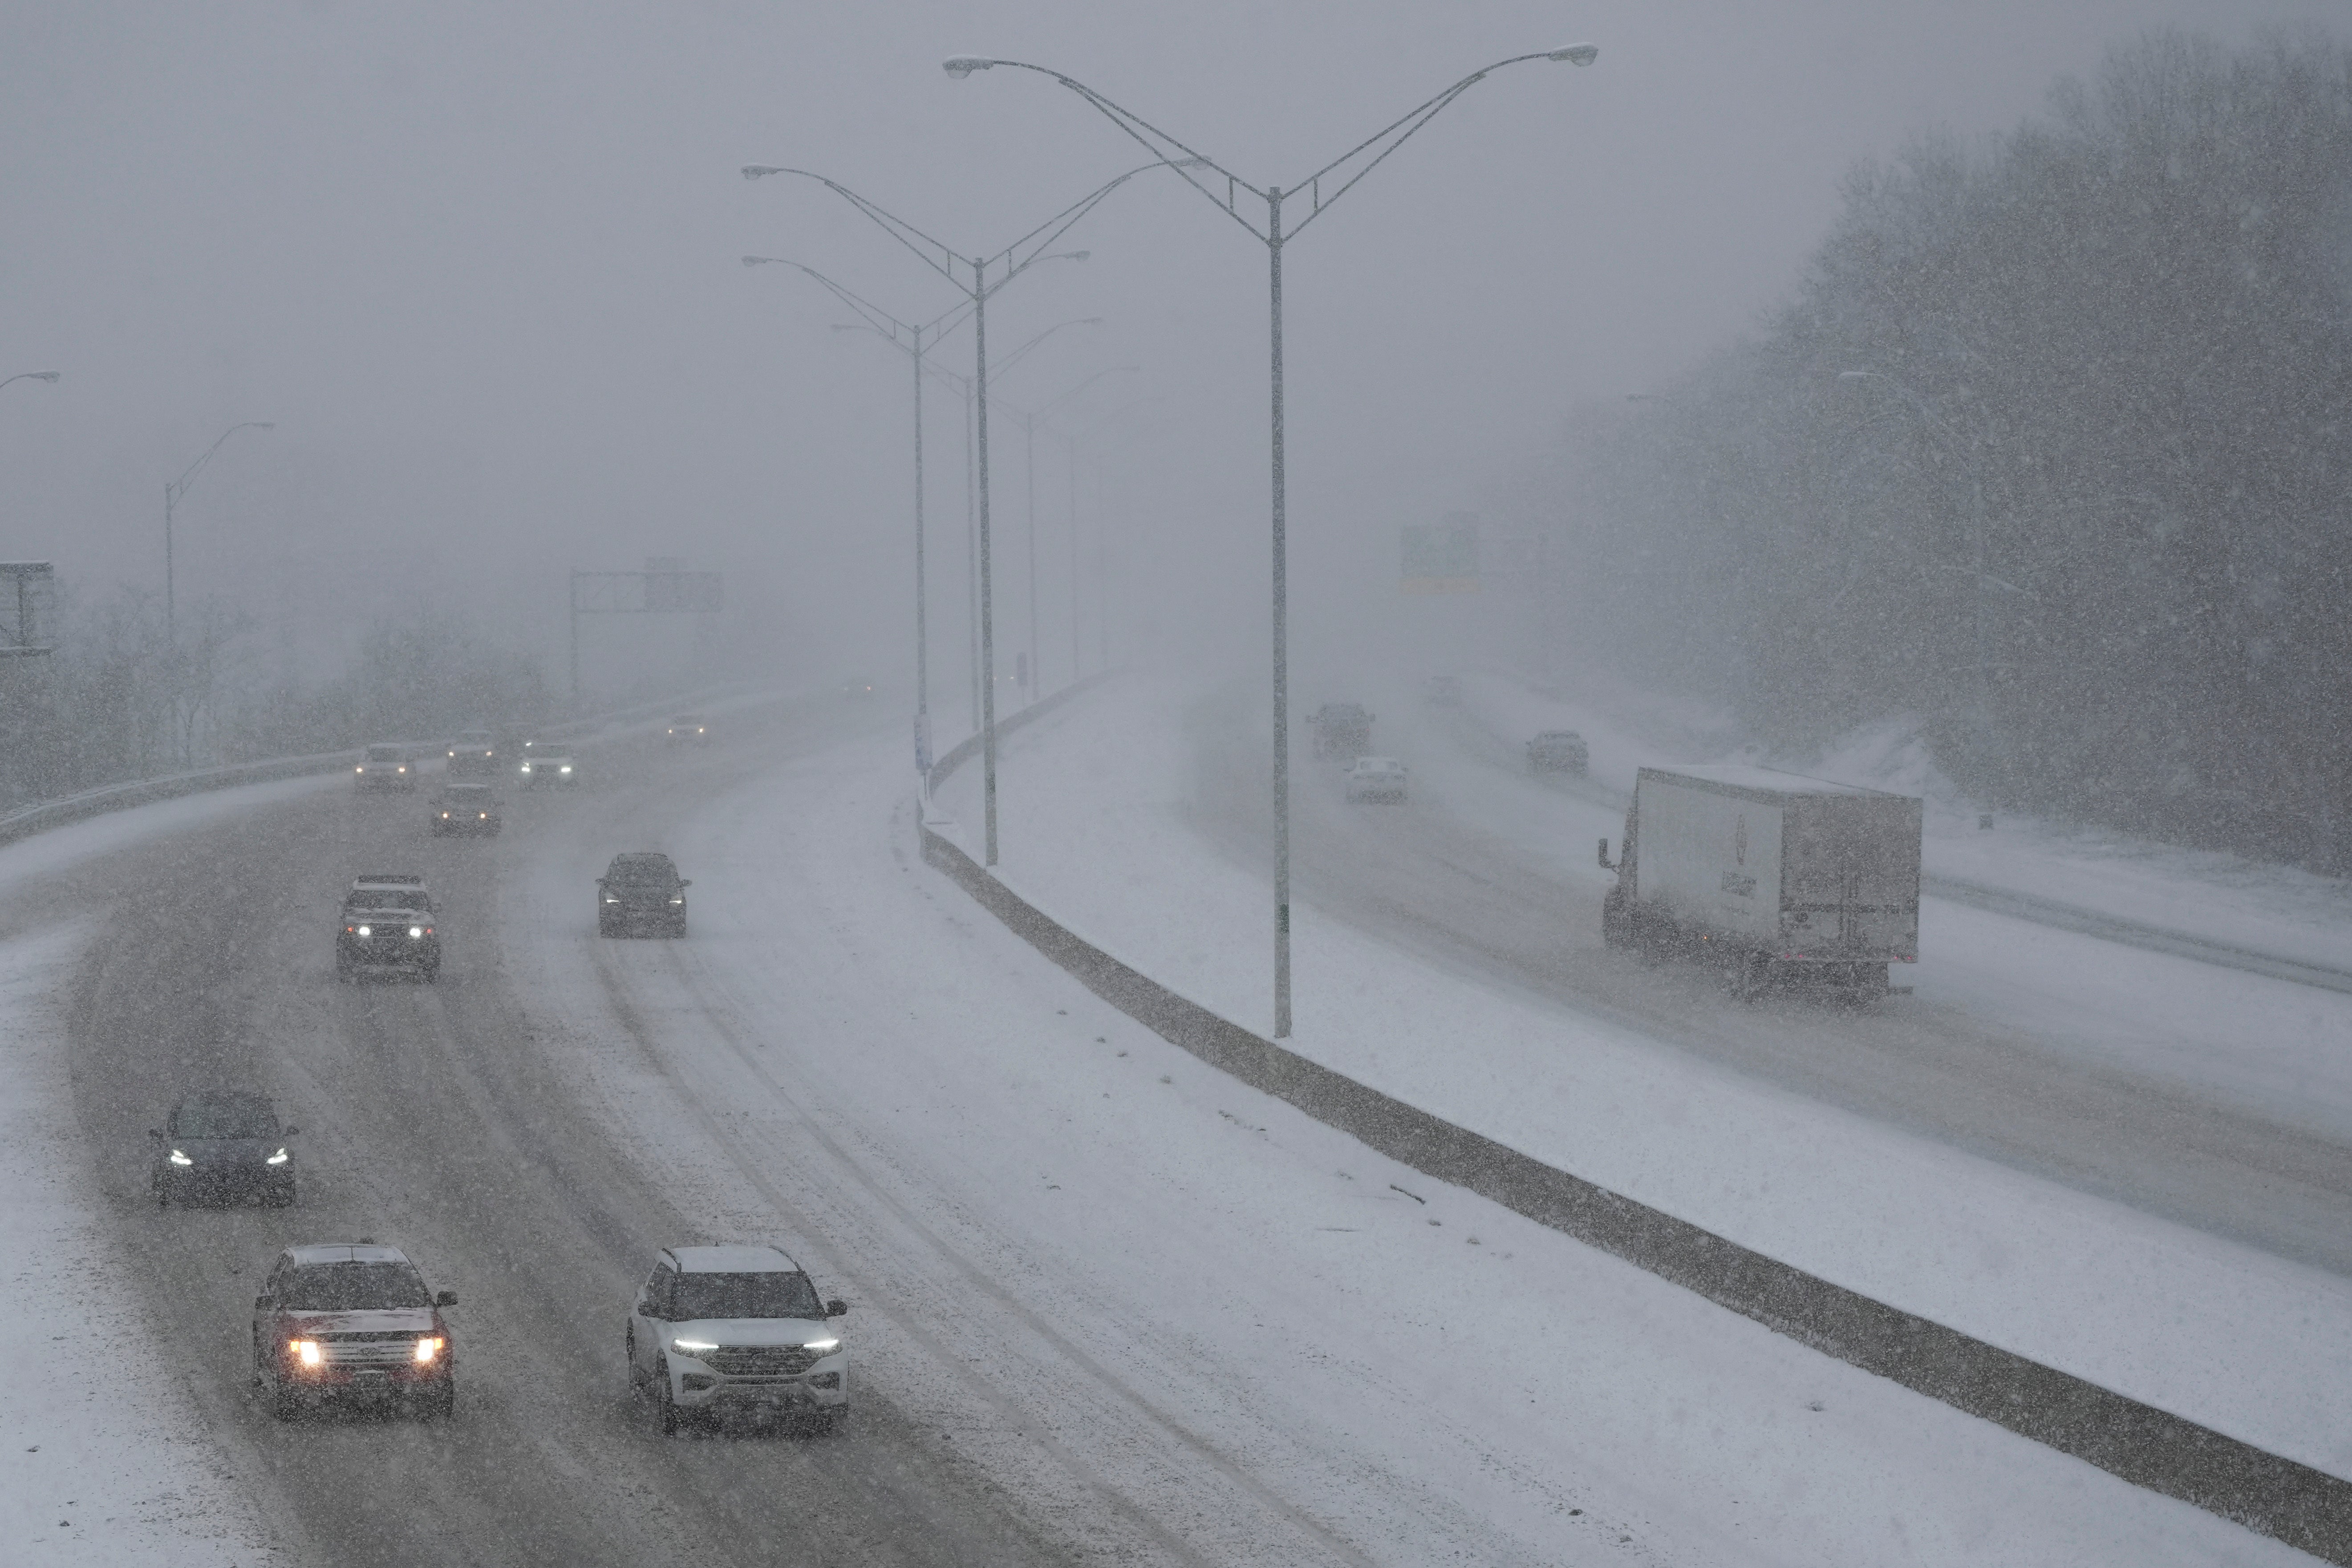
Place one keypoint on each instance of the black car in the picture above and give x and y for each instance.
(467, 808)
(220, 1146)
(388, 928)
(688, 729)
(641, 893)
(473, 754)
(1557, 751)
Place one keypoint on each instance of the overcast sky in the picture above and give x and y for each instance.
(479, 263)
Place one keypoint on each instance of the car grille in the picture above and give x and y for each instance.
(761, 1361)
(396, 1347)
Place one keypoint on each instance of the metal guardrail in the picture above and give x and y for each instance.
(2305, 1508)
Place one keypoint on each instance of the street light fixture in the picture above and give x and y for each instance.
(172, 494)
(1010, 263)
(1344, 171)
(35, 376)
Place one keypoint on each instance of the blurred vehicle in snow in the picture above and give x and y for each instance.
(1787, 881)
(1557, 751)
(352, 1322)
(688, 729)
(387, 922)
(641, 892)
(384, 768)
(462, 808)
(1377, 779)
(220, 1146)
(473, 754)
(549, 767)
(1444, 691)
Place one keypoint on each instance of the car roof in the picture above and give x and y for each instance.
(1559, 735)
(1378, 763)
(687, 719)
(735, 1259)
(321, 1252)
(223, 1097)
(467, 786)
(641, 859)
(385, 879)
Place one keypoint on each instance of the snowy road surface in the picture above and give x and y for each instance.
(1106, 1304)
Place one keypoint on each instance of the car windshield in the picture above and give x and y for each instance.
(353, 1288)
(241, 1118)
(358, 901)
(383, 753)
(770, 1295)
(652, 871)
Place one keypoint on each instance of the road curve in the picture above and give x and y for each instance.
(437, 1119)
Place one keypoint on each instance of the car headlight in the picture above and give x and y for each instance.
(278, 1159)
(365, 930)
(692, 1347)
(307, 1352)
(678, 901)
(428, 1347)
(611, 899)
(359, 770)
(179, 1157)
(400, 770)
(563, 770)
(486, 816)
(416, 931)
(823, 1347)
(444, 816)
(526, 767)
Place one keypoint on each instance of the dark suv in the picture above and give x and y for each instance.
(352, 1321)
(641, 893)
(388, 924)
(467, 808)
(222, 1145)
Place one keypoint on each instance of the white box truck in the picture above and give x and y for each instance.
(1783, 879)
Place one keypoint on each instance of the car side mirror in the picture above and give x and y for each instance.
(837, 1308)
(686, 882)
(1604, 857)
(287, 1131)
(261, 1303)
(445, 1299)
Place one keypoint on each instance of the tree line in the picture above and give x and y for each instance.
(2049, 449)
(120, 699)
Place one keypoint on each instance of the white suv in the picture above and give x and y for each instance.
(721, 1329)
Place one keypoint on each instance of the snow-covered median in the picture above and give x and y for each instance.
(1095, 832)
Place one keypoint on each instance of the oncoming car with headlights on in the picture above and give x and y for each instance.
(384, 768)
(352, 1321)
(467, 808)
(735, 1329)
(551, 767)
(220, 1146)
(388, 924)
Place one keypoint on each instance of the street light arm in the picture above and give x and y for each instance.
(880, 319)
(1147, 136)
(1394, 135)
(1048, 409)
(1041, 239)
(1005, 363)
(898, 228)
(33, 375)
(179, 486)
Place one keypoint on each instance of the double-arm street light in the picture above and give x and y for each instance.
(956, 267)
(963, 385)
(910, 338)
(172, 493)
(1343, 172)
(1029, 423)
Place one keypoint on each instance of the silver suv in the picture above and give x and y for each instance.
(736, 1328)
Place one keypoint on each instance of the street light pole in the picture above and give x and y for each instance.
(1345, 170)
(173, 493)
(945, 261)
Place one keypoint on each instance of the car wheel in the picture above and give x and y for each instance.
(664, 1403)
(441, 1404)
(283, 1197)
(834, 1421)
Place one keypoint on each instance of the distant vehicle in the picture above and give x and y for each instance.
(857, 689)
(1785, 880)
(387, 924)
(223, 1145)
(384, 768)
(352, 1321)
(641, 892)
(1342, 732)
(473, 754)
(549, 767)
(467, 808)
(688, 729)
(1445, 691)
(1375, 778)
(721, 1330)
(1557, 751)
